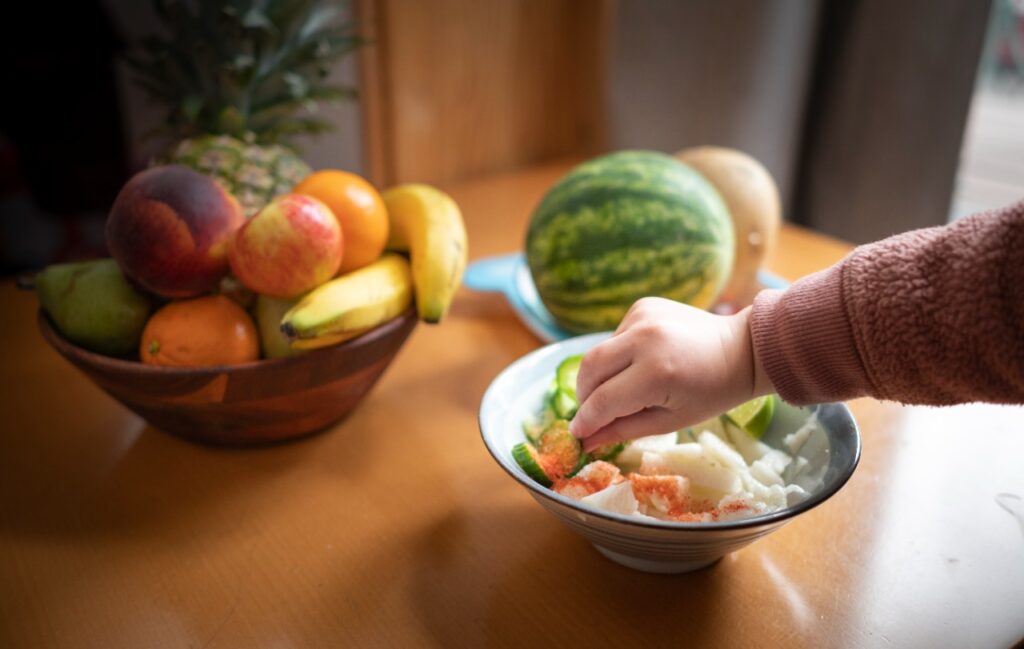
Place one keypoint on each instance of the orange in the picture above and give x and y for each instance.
(360, 211)
(200, 332)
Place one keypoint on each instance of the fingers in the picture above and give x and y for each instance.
(635, 312)
(602, 363)
(652, 421)
(621, 395)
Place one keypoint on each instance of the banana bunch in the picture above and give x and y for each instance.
(351, 304)
(427, 224)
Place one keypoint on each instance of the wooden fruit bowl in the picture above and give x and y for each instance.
(249, 403)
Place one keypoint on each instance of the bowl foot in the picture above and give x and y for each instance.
(650, 565)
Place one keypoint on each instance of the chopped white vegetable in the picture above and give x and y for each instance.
(618, 499)
(750, 448)
(631, 456)
(713, 471)
(714, 425)
(764, 473)
(796, 440)
(705, 473)
(721, 451)
(795, 494)
(653, 464)
(661, 494)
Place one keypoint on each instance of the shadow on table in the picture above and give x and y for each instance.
(542, 589)
(136, 484)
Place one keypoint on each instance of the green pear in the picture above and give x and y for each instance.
(93, 305)
(269, 311)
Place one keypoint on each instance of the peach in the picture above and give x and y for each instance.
(289, 247)
(170, 229)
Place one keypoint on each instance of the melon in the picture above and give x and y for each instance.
(624, 226)
(752, 198)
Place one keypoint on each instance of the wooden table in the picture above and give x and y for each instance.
(397, 529)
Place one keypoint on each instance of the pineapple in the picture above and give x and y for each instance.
(239, 79)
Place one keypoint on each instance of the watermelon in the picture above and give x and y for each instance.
(624, 226)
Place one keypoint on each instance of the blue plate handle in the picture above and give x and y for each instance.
(509, 274)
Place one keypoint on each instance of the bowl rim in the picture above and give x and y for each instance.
(72, 350)
(759, 520)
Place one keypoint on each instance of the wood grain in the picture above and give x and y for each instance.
(454, 89)
(250, 403)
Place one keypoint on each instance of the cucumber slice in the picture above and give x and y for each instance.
(608, 452)
(533, 428)
(566, 375)
(564, 450)
(563, 404)
(528, 460)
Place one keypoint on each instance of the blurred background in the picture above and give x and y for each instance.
(873, 116)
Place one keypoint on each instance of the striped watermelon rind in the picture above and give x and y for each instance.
(625, 226)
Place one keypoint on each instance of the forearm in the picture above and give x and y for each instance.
(932, 316)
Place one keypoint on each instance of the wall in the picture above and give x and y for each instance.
(727, 72)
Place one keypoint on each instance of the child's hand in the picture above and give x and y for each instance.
(667, 366)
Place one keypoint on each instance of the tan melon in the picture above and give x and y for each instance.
(752, 197)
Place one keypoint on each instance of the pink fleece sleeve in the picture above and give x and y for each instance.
(932, 316)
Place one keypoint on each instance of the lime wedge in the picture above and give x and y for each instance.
(755, 415)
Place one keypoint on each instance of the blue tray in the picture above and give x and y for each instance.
(510, 275)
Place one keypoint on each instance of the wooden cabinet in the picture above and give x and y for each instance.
(453, 89)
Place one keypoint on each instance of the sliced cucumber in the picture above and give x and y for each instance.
(559, 444)
(533, 428)
(608, 452)
(566, 375)
(528, 460)
(563, 404)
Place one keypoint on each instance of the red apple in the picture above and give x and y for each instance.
(291, 246)
(170, 229)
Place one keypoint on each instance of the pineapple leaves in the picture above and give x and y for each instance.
(298, 87)
(300, 126)
(256, 19)
(282, 105)
(245, 68)
(191, 106)
(320, 19)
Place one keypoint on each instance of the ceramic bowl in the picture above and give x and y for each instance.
(248, 403)
(832, 452)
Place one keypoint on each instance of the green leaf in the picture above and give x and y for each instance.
(191, 106)
(292, 127)
(256, 19)
(319, 18)
(298, 87)
(230, 121)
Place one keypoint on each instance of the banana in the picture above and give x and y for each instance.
(427, 223)
(326, 340)
(348, 305)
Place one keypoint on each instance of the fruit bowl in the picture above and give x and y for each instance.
(249, 403)
(832, 452)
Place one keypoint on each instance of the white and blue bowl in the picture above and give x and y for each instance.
(660, 546)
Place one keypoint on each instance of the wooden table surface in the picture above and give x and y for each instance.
(396, 528)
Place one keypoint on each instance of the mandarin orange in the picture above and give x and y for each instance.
(200, 332)
(359, 209)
